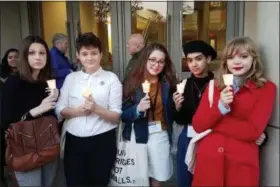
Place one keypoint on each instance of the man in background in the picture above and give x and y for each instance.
(135, 45)
(60, 63)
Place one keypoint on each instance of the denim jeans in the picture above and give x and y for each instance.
(184, 177)
(43, 176)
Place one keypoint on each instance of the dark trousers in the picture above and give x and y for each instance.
(184, 177)
(88, 161)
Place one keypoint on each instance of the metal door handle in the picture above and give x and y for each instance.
(168, 32)
(78, 27)
(181, 40)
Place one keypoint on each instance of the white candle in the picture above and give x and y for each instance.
(228, 79)
(86, 93)
(146, 87)
(51, 85)
(181, 86)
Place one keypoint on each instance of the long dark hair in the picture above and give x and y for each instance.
(136, 77)
(24, 68)
(5, 69)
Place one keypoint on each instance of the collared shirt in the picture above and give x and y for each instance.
(106, 90)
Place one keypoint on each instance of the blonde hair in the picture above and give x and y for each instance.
(255, 74)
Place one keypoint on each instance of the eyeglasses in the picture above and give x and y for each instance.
(153, 62)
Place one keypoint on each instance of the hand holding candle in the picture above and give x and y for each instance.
(181, 86)
(228, 79)
(146, 87)
(51, 85)
(226, 96)
(87, 93)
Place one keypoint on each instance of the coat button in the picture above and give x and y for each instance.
(220, 149)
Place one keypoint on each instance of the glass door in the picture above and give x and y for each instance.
(103, 18)
(204, 21)
(95, 16)
(47, 18)
(211, 21)
(53, 19)
(152, 19)
(56, 17)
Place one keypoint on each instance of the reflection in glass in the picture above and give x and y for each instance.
(95, 17)
(149, 19)
(53, 18)
(205, 21)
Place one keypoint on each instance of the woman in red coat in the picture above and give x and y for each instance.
(229, 155)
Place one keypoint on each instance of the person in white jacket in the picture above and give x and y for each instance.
(90, 101)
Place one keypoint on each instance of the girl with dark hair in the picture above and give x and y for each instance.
(9, 63)
(7, 67)
(90, 101)
(24, 95)
(151, 114)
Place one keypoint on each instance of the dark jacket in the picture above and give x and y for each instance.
(60, 65)
(191, 98)
(129, 115)
(18, 97)
(132, 63)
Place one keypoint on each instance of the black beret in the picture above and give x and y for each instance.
(197, 46)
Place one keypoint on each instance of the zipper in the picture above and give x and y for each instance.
(46, 129)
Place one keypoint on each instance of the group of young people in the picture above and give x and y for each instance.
(228, 156)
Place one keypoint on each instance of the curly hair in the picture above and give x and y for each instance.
(88, 39)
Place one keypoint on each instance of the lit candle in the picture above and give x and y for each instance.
(51, 85)
(181, 86)
(146, 87)
(86, 93)
(228, 79)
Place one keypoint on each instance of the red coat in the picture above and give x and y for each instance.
(229, 156)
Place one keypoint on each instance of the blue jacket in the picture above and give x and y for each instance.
(130, 116)
(61, 66)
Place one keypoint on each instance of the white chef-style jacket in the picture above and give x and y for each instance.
(106, 91)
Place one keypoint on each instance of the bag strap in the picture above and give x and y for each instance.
(120, 128)
(211, 92)
(24, 116)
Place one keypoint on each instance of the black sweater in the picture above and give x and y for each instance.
(191, 98)
(18, 97)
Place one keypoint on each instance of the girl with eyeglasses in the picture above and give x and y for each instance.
(151, 114)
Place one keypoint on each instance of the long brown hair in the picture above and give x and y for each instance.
(136, 77)
(23, 66)
(255, 74)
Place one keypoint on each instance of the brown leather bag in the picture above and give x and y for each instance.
(33, 143)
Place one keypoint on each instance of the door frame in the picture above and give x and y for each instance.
(125, 13)
(36, 23)
(117, 23)
(234, 27)
(121, 25)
